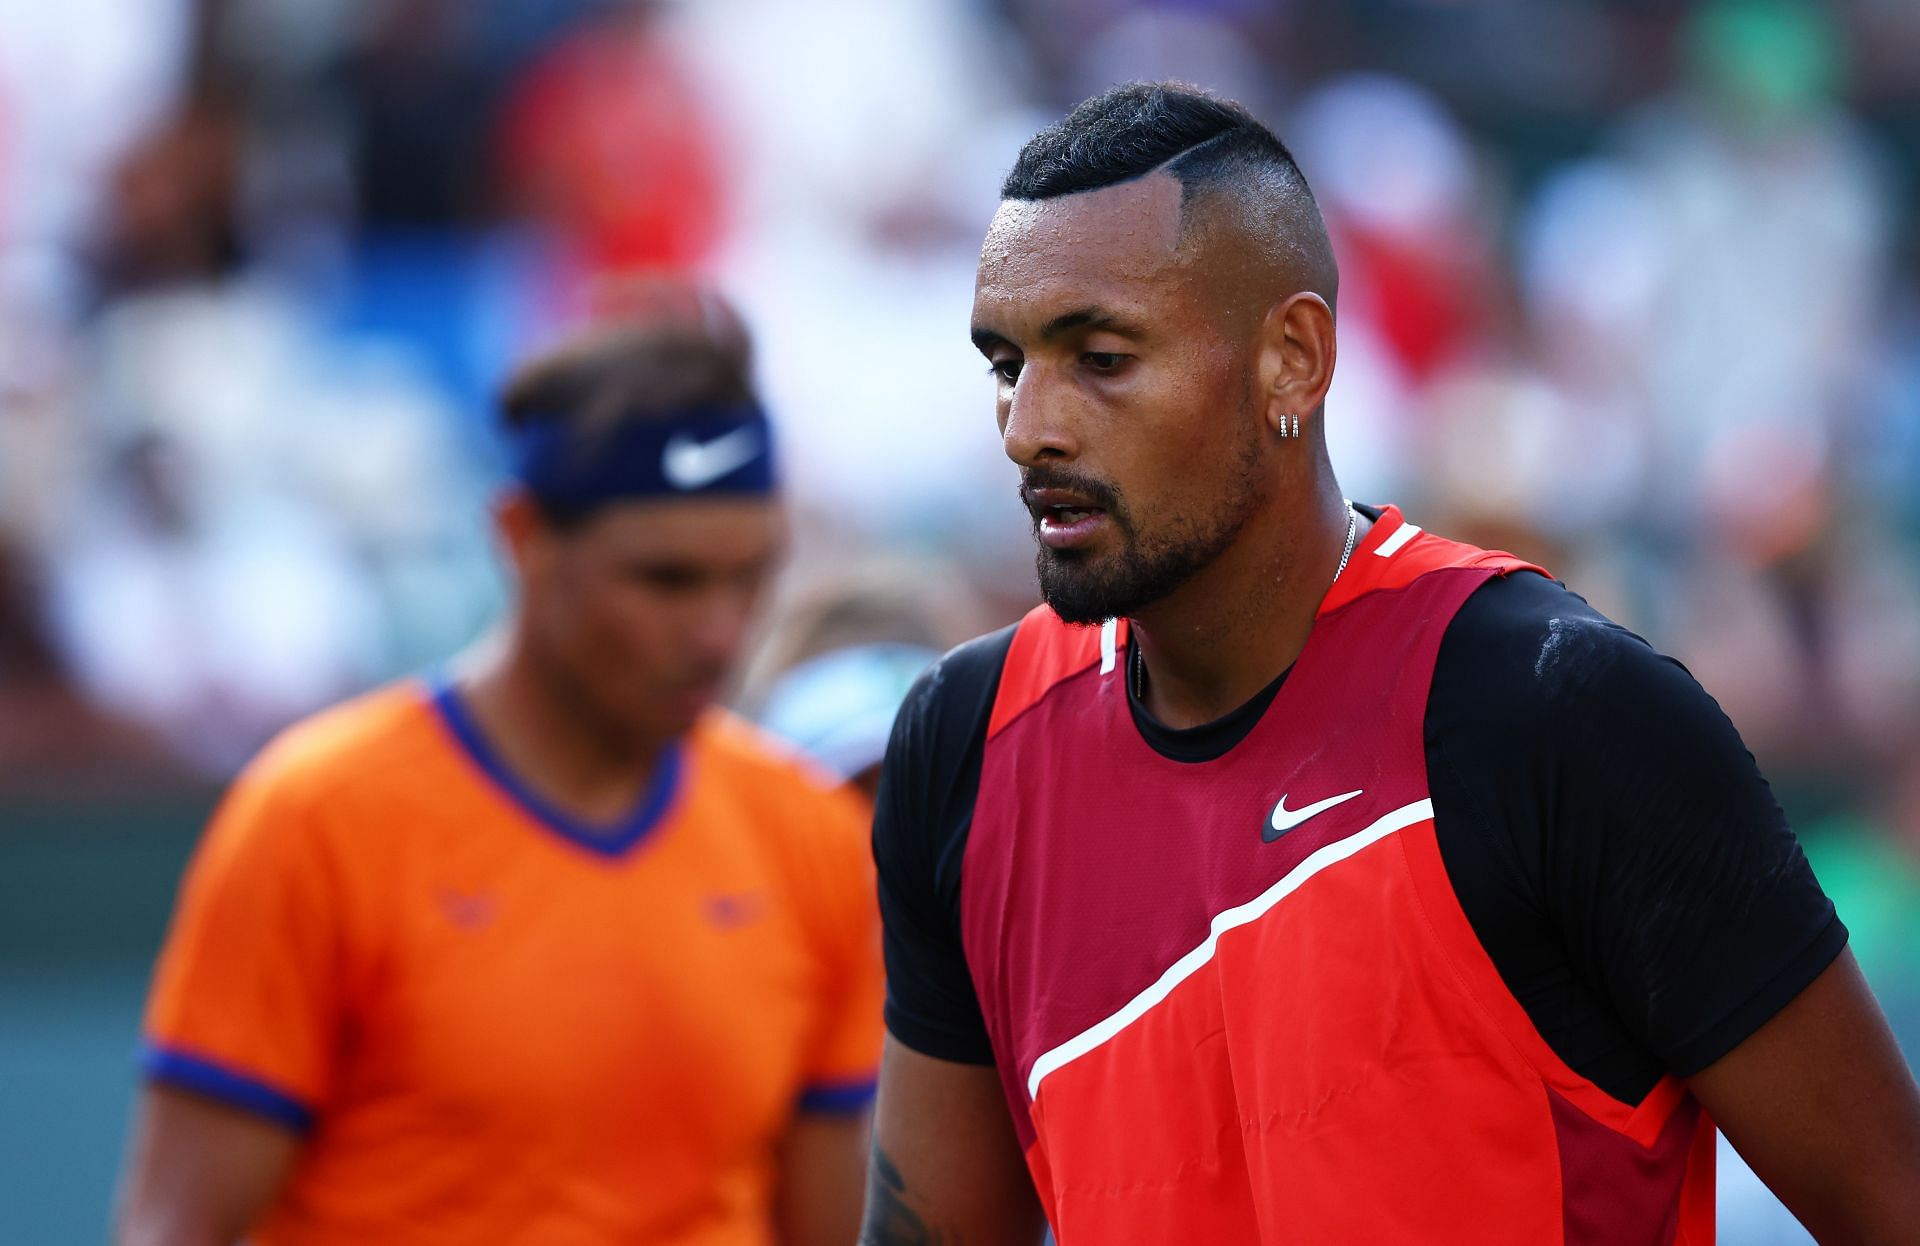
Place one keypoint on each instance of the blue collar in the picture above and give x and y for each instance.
(608, 841)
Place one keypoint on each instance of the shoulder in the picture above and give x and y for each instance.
(777, 793)
(932, 771)
(1538, 697)
(342, 754)
(764, 798)
(1524, 650)
(948, 706)
(297, 813)
(355, 742)
(729, 743)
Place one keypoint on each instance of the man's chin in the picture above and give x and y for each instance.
(1076, 593)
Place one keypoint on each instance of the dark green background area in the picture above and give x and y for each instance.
(85, 888)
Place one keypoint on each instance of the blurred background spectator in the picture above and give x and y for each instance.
(841, 653)
(1632, 288)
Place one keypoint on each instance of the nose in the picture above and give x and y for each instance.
(1036, 424)
(717, 628)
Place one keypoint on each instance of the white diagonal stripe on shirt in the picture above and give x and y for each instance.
(1184, 968)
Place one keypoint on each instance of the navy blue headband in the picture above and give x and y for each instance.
(699, 451)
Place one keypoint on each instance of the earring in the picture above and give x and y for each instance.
(1289, 426)
(1296, 426)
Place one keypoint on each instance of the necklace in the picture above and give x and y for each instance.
(1353, 530)
(1138, 667)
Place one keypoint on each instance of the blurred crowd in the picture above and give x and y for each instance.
(1629, 288)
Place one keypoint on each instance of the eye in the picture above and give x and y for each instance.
(1102, 361)
(666, 577)
(1007, 371)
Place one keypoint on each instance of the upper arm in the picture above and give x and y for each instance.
(246, 998)
(947, 1167)
(198, 1173)
(1672, 873)
(1820, 1102)
(922, 814)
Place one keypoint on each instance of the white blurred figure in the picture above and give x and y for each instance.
(271, 520)
(838, 707)
(1187, 43)
(1775, 229)
(865, 167)
(211, 624)
(79, 82)
(1397, 181)
(842, 652)
(1592, 260)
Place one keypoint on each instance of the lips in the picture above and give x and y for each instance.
(1065, 518)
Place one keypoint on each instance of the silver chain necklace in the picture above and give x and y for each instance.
(1353, 530)
(1138, 666)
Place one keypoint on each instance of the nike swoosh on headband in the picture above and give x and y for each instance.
(689, 464)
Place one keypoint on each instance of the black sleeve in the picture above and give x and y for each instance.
(1612, 840)
(922, 814)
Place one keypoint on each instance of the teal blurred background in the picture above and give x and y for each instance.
(85, 887)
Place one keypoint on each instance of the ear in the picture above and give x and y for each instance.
(520, 526)
(1296, 358)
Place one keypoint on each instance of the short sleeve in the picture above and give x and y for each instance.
(843, 1063)
(245, 1000)
(1676, 872)
(1612, 841)
(923, 815)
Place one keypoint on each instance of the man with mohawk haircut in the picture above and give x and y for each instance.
(1294, 875)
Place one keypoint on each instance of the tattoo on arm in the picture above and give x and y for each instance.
(889, 1221)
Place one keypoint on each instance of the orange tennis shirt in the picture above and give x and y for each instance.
(493, 1024)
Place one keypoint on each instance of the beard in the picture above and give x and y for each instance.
(1091, 588)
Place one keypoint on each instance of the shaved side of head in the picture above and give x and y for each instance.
(1241, 191)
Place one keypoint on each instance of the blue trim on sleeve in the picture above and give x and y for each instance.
(609, 841)
(185, 1071)
(839, 1098)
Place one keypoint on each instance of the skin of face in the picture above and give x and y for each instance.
(635, 616)
(1125, 375)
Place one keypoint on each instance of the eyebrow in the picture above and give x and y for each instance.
(1080, 318)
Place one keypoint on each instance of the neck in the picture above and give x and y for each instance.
(553, 739)
(1209, 646)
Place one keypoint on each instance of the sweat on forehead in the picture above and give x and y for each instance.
(1143, 219)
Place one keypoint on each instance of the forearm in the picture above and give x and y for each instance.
(170, 1227)
(817, 1202)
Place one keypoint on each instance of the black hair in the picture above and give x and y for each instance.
(1131, 130)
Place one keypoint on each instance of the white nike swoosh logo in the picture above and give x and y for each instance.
(690, 464)
(1285, 819)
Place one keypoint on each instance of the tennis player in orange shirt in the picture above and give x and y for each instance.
(547, 950)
